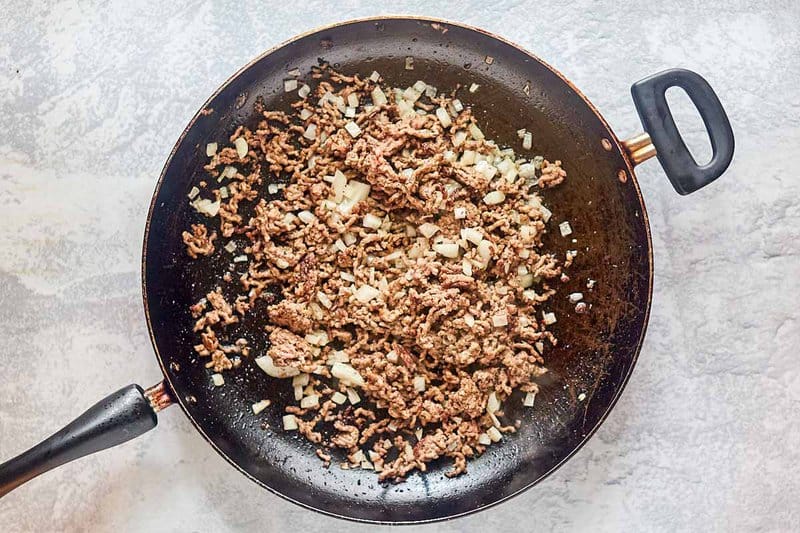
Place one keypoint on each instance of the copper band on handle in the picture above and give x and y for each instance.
(640, 148)
(159, 397)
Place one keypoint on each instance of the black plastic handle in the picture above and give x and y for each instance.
(117, 418)
(679, 165)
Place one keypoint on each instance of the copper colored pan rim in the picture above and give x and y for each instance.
(620, 147)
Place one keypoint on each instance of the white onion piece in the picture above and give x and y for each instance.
(338, 398)
(459, 137)
(378, 96)
(211, 149)
(309, 401)
(217, 380)
(419, 383)
(353, 396)
(366, 293)
(265, 363)
(529, 399)
(306, 217)
(371, 221)
(311, 132)
(446, 249)
(428, 230)
(473, 235)
(409, 64)
(473, 88)
(527, 140)
(289, 85)
(565, 229)
(469, 320)
(500, 320)
(206, 207)
(259, 406)
(485, 251)
(301, 380)
(289, 423)
(549, 318)
(484, 439)
(352, 99)
(349, 239)
(458, 106)
(492, 403)
(374, 76)
(230, 247)
(347, 374)
(444, 117)
(575, 297)
(527, 170)
(526, 280)
(353, 129)
(241, 146)
(460, 213)
(476, 132)
(193, 193)
(494, 198)
(298, 393)
(304, 91)
(494, 434)
(468, 157)
(323, 298)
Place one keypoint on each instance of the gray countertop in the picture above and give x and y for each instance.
(93, 98)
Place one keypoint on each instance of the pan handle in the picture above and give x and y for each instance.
(679, 165)
(117, 418)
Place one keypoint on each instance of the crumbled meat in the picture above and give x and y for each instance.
(199, 242)
(421, 331)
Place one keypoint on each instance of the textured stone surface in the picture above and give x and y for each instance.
(93, 98)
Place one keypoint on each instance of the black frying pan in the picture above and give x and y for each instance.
(597, 350)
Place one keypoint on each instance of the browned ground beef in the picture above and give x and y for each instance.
(420, 302)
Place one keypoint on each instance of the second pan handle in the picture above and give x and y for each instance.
(649, 96)
(117, 418)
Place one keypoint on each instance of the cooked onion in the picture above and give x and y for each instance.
(211, 149)
(428, 230)
(289, 423)
(338, 398)
(529, 398)
(241, 146)
(347, 374)
(218, 380)
(259, 406)
(265, 363)
(446, 249)
(365, 293)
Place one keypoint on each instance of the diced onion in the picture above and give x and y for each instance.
(211, 149)
(352, 99)
(353, 396)
(240, 258)
(474, 87)
(303, 91)
(527, 140)
(475, 132)
(206, 207)
(323, 299)
(217, 380)
(500, 320)
(338, 398)
(301, 380)
(473, 235)
(527, 170)
(492, 403)
(484, 168)
(371, 221)
(349, 239)
(458, 106)
(366, 293)
(259, 406)
(378, 96)
(309, 401)
(526, 280)
(193, 193)
(298, 393)
(460, 213)
(347, 374)
(565, 229)
(468, 157)
(459, 137)
(469, 320)
(265, 363)
(428, 230)
(494, 434)
(466, 267)
(494, 198)
(223, 192)
(305, 114)
(419, 383)
(575, 297)
(353, 129)
(446, 249)
(230, 247)
(272, 188)
(311, 132)
(485, 251)
(409, 64)
(350, 112)
(374, 76)
(392, 357)
(289, 85)
(549, 318)
(444, 117)
(529, 399)
(241, 146)
(306, 217)
(289, 423)
(484, 439)
(347, 276)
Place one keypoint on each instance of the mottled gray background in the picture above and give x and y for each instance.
(92, 98)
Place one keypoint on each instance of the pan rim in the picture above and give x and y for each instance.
(429, 20)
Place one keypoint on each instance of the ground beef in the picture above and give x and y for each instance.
(401, 269)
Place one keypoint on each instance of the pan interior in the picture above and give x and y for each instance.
(596, 352)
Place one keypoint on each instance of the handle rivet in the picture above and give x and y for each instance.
(622, 176)
(606, 144)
